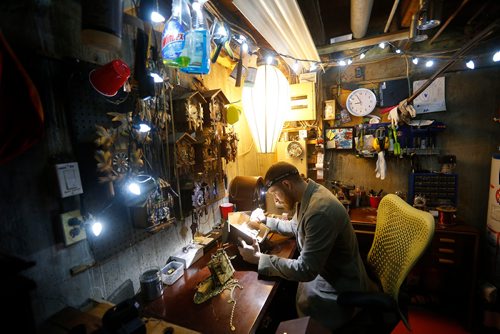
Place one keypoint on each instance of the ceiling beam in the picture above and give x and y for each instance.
(362, 42)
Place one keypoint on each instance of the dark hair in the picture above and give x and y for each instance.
(280, 171)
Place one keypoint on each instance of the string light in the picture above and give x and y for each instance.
(297, 63)
(496, 56)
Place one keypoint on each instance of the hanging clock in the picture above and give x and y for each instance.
(361, 102)
(294, 149)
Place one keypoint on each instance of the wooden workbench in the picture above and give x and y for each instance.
(213, 316)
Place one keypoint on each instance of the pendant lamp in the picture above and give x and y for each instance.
(265, 105)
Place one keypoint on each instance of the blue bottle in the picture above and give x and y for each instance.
(174, 34)
(198, 43)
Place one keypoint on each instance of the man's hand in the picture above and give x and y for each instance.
(250, 253)
(258, 215)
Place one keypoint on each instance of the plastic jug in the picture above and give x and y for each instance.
(173, 38)
(198, 43)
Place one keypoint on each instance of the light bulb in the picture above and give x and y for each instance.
(342, 63)
(470, 64)
(269, 60)
(144, 128)
(157, 17)
(244, 47)
(97, 228)
(496, 56)
(156, 77)
(398, 51)
(429, 63)
(349, 61)
(134, 188)
(382, 45)
(414, 61)
(361, 56)
(221, 31)
(313, 67)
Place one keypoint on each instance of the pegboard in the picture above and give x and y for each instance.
(88, 107)
(85, 109)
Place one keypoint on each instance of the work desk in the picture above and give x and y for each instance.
(213, 316)
(445, 278)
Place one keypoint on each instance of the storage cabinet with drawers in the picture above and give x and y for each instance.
(444, 280)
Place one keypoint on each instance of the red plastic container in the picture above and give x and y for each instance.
(375, 201)
(225, 208)
(109, 78)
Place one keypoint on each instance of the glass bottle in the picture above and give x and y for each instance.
(173, 38)
(198, 43)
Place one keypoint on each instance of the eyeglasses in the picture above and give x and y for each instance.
(270, 183)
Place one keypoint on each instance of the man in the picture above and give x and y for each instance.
(329, 261)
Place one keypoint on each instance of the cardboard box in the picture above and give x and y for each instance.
(239, 228)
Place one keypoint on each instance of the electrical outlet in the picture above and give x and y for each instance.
(72, 226)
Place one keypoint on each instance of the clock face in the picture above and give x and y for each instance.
(361, 102)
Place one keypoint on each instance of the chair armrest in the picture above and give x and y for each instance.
(367, 299)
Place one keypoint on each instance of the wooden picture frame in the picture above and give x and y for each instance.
(340, 138)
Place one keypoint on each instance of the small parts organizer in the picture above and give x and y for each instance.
(438, 189)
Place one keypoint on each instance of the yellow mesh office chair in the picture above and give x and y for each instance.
(401, 236)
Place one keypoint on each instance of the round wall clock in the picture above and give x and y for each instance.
(361, 102)
(295, 150)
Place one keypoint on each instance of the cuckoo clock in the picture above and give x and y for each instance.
(188, 112)
(229, 146)
(185, 154)
(207, 153)
(214, 111)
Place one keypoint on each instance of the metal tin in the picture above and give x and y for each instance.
(151, 284)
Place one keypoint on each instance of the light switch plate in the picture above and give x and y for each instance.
(72, 233)
(68, 175)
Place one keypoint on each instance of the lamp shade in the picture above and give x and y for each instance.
(265, 106)
(109, 78)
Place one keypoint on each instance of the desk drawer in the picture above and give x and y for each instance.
(448, 249)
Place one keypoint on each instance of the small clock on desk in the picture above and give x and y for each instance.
(361, 102)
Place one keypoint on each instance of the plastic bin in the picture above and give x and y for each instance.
(172, 272)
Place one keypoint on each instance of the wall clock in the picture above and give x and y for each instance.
(361, 102)
(294, 149)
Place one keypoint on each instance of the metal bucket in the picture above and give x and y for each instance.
(151, 284)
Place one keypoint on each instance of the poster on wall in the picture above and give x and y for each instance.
(340, 138)
(432, 99)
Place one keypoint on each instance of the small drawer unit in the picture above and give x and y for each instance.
(438, 189)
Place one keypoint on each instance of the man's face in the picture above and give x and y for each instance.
(282, 195)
